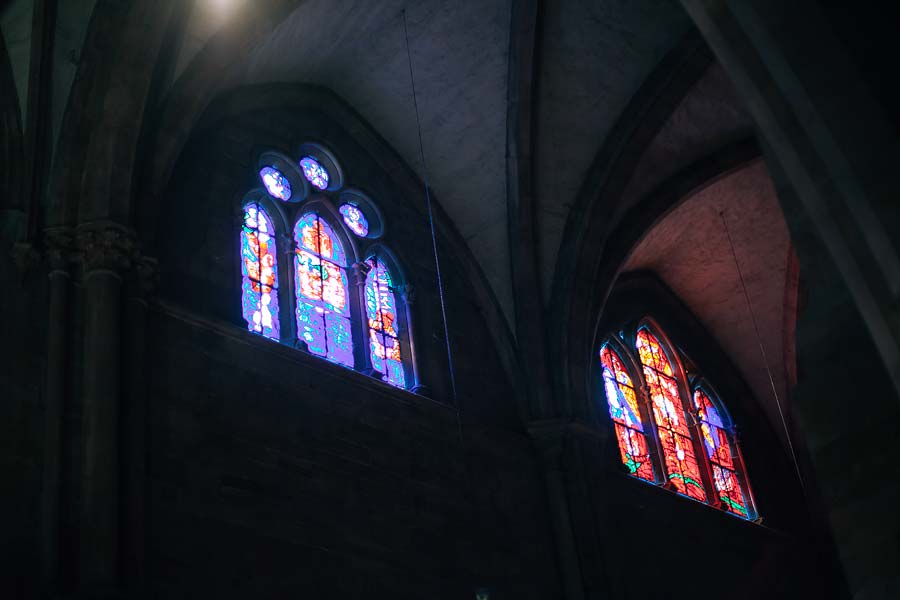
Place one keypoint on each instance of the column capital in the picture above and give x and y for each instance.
(407, 293)
(359, 272)
(106, 247)
(147, 274)
(59, 248)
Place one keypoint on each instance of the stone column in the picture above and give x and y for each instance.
(106, 252)
(58, 250)
(550, 442)
(141, 285)
(358, 273)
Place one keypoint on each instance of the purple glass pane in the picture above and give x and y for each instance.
(311, 327)
(276, 183)
(259, 288)
(355, 219)
(314, 172)
(340, 339)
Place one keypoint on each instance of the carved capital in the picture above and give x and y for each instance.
(407, 293)
(359, 272)
(147, 275)
(59, 248)
(107, 247)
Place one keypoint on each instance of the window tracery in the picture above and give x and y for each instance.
(332, 310)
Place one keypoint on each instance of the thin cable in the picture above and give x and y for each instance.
(762, 350)
(437, 262)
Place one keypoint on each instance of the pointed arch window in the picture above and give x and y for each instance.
(385, 348)
(347, 311)
(688, 445)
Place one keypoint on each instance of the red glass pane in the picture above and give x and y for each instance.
(681, 464)
(634, 452)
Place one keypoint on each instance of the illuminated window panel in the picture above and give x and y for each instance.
(625, 413)
(729, 483)
(259, 268)
(275, 183)
(681, 466)
(381, 313)
(355, 219)
(314, 172)
(323, 306)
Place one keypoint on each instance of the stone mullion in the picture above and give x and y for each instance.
(107, 252)
(407, 294)
(360, 323)
(58, 249)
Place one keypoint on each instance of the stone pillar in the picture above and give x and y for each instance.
(106, 252)
(58, 247)
(141, 285)
(550, 442)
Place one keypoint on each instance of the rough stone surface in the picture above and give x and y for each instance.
(689, 249)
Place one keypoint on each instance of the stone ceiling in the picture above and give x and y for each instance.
(690, 251)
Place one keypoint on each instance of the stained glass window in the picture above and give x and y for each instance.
(323, 301)
(314, 172)
(381, 311)
(681, 466)
(625, 412)
(275, 183)
(259, 267)
(720, 451)
(355, 219)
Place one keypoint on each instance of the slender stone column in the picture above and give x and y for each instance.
(106, 251)
(58, 246)
(141, 285)
(550, 442)
(358, 272)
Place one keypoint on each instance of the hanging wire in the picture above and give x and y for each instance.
(762, 350)
(437, 262)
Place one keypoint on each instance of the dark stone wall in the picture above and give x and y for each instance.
(274, 472)
(848, 414)
(22, 336)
